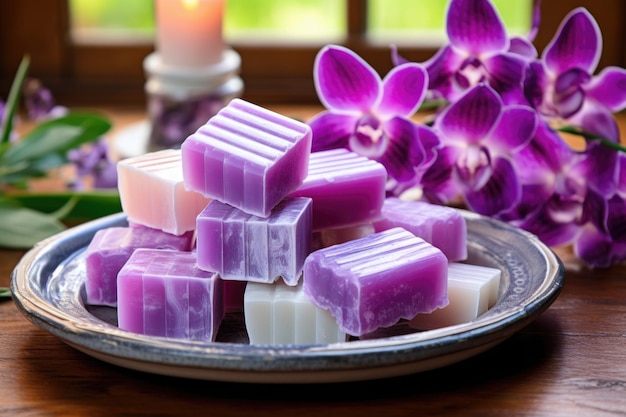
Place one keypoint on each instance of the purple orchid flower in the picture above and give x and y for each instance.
(372, 116)
(562, 86)
(480, 51)
(479, 134)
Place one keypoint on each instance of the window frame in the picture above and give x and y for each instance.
(273, 74)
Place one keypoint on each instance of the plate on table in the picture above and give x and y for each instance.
(48, 287)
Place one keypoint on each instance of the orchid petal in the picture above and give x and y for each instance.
(597, 120)
(506, 71)
(470, 119)
(600, 168)
(523, 47)
(597, 249)
(438, 180)
(568, 93)
(567, 105)
(474, 26)
(404, 151)
(609, 88)
(516, 127)
(344, 81)
(331, 130)
(577, 44)
(396, 58)
(430, 142)
(535, 84)
(536, 20)
(404, 88)
(550, 232)
(440, 68)
(615, 221)
(501, 192)
(543, 156)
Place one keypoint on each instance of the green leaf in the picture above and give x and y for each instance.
(57, 136)
(6, 124)
(21, 228)
(5, 293)
(86, 205)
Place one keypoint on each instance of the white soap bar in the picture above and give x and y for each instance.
(280, 314)
(472, 290)
(153, 194)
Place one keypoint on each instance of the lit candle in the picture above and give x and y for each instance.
(189, 32)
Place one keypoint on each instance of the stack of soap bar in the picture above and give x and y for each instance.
(443, 227)
(247, 156)
(152, 192)
(244, 247)
(347, 189)
(472, 290)
(109, 250)
(163, 293)
(377, 280)
(280, 314)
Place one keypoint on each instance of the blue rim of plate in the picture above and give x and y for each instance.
(47, 286)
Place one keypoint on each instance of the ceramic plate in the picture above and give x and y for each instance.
(48, 287)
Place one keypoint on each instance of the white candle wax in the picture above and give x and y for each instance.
(189, 32)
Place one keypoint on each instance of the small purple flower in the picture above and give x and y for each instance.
(39, 101)
(372, 116)
(480, 51)
(562, 86)
(479, 134)
(93, 162)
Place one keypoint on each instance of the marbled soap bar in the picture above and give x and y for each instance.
(152, 192)
(377, 280)
(248, 157)
(244, 247)
(280, 314)
(163, 293)
(109, 250)
(443, 227)
(472, 290)
(347, 189)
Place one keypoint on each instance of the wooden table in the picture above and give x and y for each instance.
(570, 361)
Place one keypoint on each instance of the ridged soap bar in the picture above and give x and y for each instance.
(279, 314)
(244, 247)
(472, 290)
(443, 227)
(347, 189)
(109, 250)
(152, 192)
(375, 281)
(163, 293)
(247, 156)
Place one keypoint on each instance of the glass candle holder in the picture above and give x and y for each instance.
(180, 100)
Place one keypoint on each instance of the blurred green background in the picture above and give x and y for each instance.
(282, 19)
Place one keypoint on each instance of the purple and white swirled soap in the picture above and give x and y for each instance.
(247, 156)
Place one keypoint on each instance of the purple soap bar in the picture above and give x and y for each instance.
(247, 156)
(164, 293)
(377, 280)
(109, 250)
(347, 189)
(243, 247)
(441, 226)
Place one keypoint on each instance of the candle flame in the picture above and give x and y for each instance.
(190, 4)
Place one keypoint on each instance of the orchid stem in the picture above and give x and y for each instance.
(591, 136)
